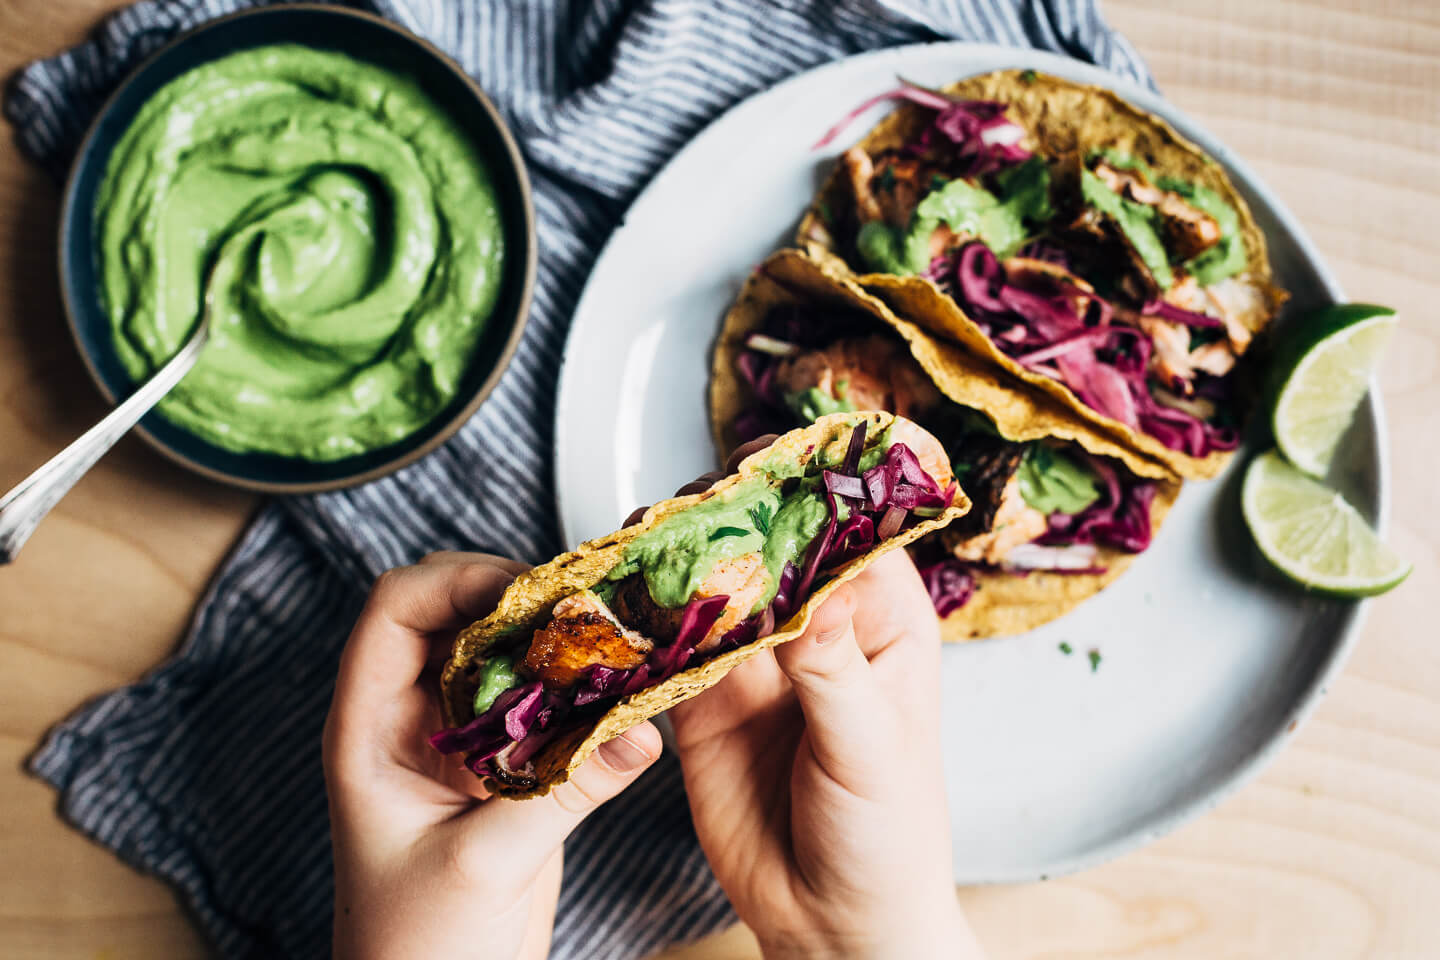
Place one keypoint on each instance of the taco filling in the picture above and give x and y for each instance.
(721, 573)
(1128, 287)
(1043, 505)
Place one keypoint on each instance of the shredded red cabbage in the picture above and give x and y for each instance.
(976, 130)
(950, 583)
(1119, 518)
(1106, 365)
(1169, 311)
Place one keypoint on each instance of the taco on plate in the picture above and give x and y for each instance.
(1071, 239)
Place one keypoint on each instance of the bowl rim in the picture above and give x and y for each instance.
(508, 147)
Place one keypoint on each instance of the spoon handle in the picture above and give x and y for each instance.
(22, 509)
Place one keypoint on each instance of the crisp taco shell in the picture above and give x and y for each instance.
(1061, 119)
(527, 603)
(1004, 604)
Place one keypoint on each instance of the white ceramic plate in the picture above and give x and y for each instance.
(1208, 659)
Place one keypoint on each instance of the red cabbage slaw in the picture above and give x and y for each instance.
(1119, 518)
(862, 509)
(983, 139)
(1105, 364)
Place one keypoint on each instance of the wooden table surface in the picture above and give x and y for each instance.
(1334, 852)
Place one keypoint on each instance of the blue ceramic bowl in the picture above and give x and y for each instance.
(364, 37)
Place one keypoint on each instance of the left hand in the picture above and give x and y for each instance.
(425, 864)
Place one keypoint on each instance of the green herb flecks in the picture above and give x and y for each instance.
(720, 533)
(887, 180)
(1094, 656)
(761, 515)
(1066, 649)
(1028, 76)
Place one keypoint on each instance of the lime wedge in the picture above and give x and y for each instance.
(1313, 535)
(1323, 373)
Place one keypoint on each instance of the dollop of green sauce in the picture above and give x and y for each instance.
(356, 241)
(812, 404)
(1140, 223)
(1052, 482)
(1136, 220)
(1003, 220)
(681, 551)
(1227, 257)
(497, 676)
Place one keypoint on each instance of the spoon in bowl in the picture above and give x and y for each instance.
(22, 509)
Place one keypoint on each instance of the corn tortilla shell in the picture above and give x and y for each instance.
(1060, 118)
(1004, 604)
(526, 604)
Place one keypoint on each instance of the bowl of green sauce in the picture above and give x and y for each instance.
(358, 209)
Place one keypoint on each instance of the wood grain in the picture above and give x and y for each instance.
(1332, 854)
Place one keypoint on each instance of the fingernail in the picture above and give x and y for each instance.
(622, 756)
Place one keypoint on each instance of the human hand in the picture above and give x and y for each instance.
(815, 779)
(425, 865)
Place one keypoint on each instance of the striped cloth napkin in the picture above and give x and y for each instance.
(207, 771)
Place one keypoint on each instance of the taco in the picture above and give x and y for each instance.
(1080, 244)
(1059, 507)
(595, 641)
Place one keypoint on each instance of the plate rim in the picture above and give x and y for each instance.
(1348, 632)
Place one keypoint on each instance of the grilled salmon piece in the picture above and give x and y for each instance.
(582, 633)
(872, 373)
(1016, 522)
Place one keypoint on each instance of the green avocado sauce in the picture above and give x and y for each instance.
(1136, 220)
(1141, 225)
(1227, 257)
(356, 241)
(812, 404)
(1003, 220)
(1053, 482)
(497, 676)
(681, 551)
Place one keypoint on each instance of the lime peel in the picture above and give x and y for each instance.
(1313, 535)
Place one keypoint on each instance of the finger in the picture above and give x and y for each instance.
(460, 558)
(525, 834)
(847, 717)
(892, 605)
(390, 645)
(745, 449)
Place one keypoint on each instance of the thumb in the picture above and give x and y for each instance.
(847, 718)
(524, 834)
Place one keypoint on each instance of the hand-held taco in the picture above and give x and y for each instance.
(591, 643)
(1075, 241)
(1059, 507)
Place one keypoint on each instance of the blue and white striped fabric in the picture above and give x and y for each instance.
(207, 772)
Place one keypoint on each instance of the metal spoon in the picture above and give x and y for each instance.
(22, 509)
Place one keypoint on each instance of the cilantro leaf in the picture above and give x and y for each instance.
(1066, 649)
(760, 513)
(1094, 656)
(721, 532)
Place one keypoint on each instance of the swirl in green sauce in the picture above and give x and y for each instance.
(356, 240)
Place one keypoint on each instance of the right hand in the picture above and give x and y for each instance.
(815, 780)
